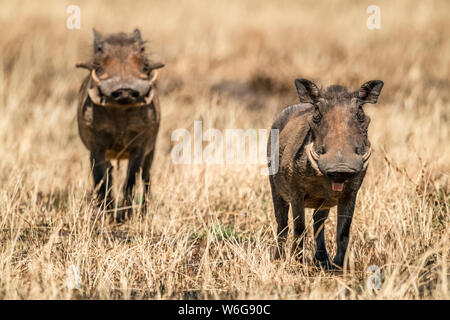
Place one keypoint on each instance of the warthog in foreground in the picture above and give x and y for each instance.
(323, 157)
(118, 112)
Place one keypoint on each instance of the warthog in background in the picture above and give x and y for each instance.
(323, 156)
(118, 112)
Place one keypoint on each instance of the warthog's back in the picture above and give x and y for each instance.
(289, 112)
(291, 123)
(293, 132)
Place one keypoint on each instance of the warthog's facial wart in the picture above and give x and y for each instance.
(340, 149)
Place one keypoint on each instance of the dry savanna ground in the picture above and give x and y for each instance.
(210, 229)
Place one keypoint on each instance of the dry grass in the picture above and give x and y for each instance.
(210, 229)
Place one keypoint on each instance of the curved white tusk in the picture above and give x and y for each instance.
(95, 78)
(151, 94)
(312, 158)
(313, 152)
(367, 155)
(94, 96)
(153, 78)
(365, 158)
(149, 97)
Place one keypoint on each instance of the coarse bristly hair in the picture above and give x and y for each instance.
(337, 93)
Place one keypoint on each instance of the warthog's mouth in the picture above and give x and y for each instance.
(337, 186)
(313, 158)
(99, 98)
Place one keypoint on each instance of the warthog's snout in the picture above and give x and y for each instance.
(125, 96)
(338, 166)
(122, 91)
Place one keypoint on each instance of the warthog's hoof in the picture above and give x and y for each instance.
(121, 215)
(105, 204)
(277, 253)
(297, 252)
(298, 255)
(324, 262)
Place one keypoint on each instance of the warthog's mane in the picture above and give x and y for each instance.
(121, 39)
(336, 94)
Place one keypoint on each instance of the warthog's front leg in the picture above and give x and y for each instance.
(146, 175)
(298, 214)
(281, 209)
(102, 175)
(321, 256)
(346, 206)
(134, 165)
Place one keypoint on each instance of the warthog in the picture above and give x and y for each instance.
(323, 156)
(118, 112)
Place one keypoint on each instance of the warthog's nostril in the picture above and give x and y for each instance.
(124, 95)
(116, 94)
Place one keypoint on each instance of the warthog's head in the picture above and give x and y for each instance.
(121, 73)
(340, 148)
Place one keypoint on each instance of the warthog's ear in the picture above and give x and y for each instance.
(84, 65)
(137, 35)
(98, 38)
(155, 65)
(97, 35)
(370, 91)
(307, 91)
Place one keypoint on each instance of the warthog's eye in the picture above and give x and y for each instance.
(98, 48)
(145, 69)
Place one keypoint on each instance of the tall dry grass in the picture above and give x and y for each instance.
(210, 229)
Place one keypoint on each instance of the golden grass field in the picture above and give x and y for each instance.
(210, 230)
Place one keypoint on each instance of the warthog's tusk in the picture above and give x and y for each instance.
(94, 95)
(95, 78)
(313, 157)
(365, 158)
(313, 152)
(153, 78)
(149, 97)
(367, 155)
